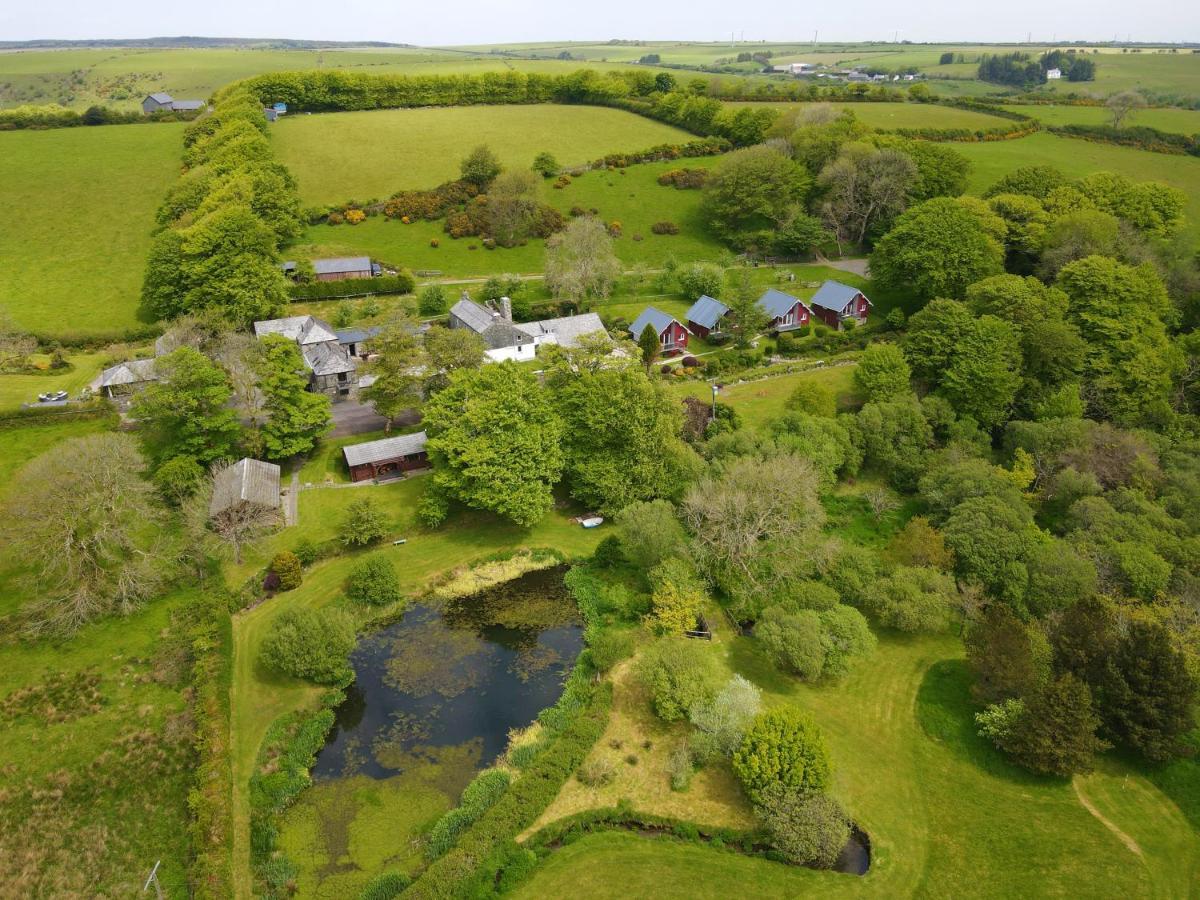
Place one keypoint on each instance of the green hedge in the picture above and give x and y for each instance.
(49, 415)
(52, 116)
(1139, 136)
(403, 283)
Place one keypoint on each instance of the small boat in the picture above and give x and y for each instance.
(591, 521)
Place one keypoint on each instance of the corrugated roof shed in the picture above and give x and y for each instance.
(706, 311)
(246, 481)
(160, 97)
(340, 264)
(650, 316)
(833, 295)
(386, 449)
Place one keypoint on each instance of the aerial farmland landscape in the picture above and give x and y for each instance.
(459, 455)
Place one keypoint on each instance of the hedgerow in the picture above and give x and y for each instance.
(401, 283)
(1139, 136)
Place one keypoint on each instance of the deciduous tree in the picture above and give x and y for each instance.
(186, 412)
(296, 418)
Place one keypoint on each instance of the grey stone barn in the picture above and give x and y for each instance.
(330, 364)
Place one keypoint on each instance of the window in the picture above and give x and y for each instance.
(341, 376)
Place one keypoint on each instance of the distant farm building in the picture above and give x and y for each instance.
(796, 68)
(1053, 74)
(341, 268)
(786, 312)
(164, 102)
(672, 334)
(834, 303)
(705, 316)
(331, 365)
(125, 378)
(248, 482)
(390, 456)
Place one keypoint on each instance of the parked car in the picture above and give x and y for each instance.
(52, 397)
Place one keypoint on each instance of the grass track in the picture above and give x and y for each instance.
(364, 155)
(79, 207)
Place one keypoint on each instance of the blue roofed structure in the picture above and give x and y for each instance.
(834, 303)
(776, 303)
(651, 316)
(833, 295)
(705, 314)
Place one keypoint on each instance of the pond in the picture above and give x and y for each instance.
(455, 676)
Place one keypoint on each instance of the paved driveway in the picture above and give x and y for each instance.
(351, 417)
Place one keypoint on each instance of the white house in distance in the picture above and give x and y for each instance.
(1053, 74)
(796, 68)
(519, 341)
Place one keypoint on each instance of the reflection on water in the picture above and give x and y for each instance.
(462, 674)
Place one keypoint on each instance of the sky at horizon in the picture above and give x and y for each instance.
(461, 22)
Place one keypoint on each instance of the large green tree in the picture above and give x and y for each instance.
(758, 187)
(985, 371)
(496, 441)
(882, 373)
(186, 412)
(296, 418)
(936, 249)
(783, 747)
(397, 364)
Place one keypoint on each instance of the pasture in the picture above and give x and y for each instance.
(1077, 158)
(365, 155)
(635, 199)
(79, 208)
(1179, 121)
(887, 116)
(946, 814)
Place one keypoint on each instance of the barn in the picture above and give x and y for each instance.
(835, 303)
(343, 267)
(786, 312)
(390, 456)
(705, 316)
(672, 334)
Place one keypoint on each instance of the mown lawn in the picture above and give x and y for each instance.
(760, 401)
(365, 155)
(79, 208)
(1180, 121)
(946, 814)
(902, 115)
(634, 199)
(16, 389)
(1076, 158)
(260, 696)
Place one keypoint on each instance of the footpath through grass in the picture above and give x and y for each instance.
(79, 207)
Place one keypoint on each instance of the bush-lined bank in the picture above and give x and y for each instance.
(1139, 136)
(43, 117)
(401, 283)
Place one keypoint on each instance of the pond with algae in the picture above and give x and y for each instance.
(434, 698)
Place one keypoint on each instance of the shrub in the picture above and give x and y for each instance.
(178, 478)
(311, 644)
(363, 524)
(435, 243)
(385, 886)
(680, 674)
(680, 767)
(724, 719)
(608, 647)
(307, 551)
(433, 507)
(690, 362)
(811, 830)
(401, 283)
(698, 278)
(374, 581)
(545, 164)
(335, 218)
(677, 596)
(477, 798)
(664, 227)
(609, 553)
(432, 300)
(286, 565)
(783, 747)
(597, 772)
(354, 216)
(684, 179)
(813, 398)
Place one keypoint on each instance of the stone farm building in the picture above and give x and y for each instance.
(248, 482)
(505, 339)
(125, 379)
(390, 456)
(672, 334)
(786, 312)
(161, 101)
(834, 303)
(330, 364)
(343, 267)
(705, 316)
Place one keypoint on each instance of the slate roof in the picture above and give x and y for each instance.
(706, 312)
(247, 480)
(776, 303)
(501, 334)
(186, 105)
(356, 335)
(340, 264)
(160, 97)
(301, 329)
(134, 371)
(650, 316)
(472, 315)
(833, 295)
(327, 358)
(388, 448)
(566, 329)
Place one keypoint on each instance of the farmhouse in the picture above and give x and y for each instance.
(248, 482)
(1053, 74)
(503, 340)
(342, 267)
(331, 365)
(672, 334)
(125, 378)
(390, 456)
(162, 101)
(786, 312)
(705, 316)
(564, 331)
(834, 303)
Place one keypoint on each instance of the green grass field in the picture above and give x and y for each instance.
(903, 115)
(946, 814)
(365, 155)
(79, 208)
(634, 199)
(1076, 158)
(757, 402)
(1180, 121)
(18, 389)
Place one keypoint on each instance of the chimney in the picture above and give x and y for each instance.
(506, 309)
